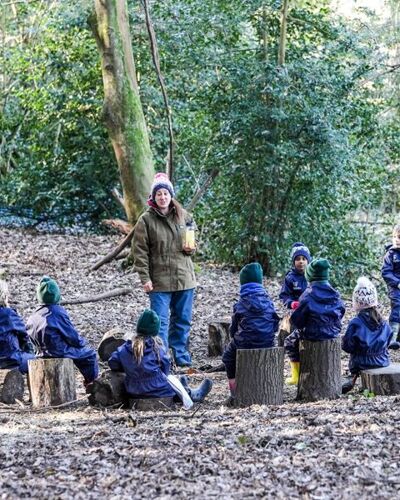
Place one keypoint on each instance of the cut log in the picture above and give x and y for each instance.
(259, 376)
(382, 381)
(51, 381)
(218, 336)
(320, 370)
(284, 330)
(110, 342)
(152, 404)
(11, 386)
(108, 390)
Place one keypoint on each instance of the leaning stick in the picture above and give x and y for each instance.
(109, 257)
(95, 298)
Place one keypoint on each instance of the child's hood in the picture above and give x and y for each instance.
(254, 297)
(324, 293)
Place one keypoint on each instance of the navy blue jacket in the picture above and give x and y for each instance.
(367, 342)
(54, 334)
(319, 315)
(294, 285)
(14, 340)
(147, 379)
(391, 267)
(254, 320)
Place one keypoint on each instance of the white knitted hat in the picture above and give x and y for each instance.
(161, 181)
(364, 294)
(4, 293)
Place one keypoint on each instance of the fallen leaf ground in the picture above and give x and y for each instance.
(348, 448)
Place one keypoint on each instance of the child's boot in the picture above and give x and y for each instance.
(199, 393)
(395, 329)
(230, 402)
(349, 384)
(295, 368)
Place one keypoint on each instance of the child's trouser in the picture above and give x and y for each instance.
(88, 366)
(292, 346)
(394, 295)
(229, 359)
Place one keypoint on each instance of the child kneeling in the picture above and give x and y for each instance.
(56, 337)
(16, 348)
(146, 364)
(254, 321)
(368, 336)
(318, 316)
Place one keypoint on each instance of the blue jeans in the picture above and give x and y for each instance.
(175, 312)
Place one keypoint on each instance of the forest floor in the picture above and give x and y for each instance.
(346, 448)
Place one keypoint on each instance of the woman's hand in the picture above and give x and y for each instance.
(188, 250)
(148, 287)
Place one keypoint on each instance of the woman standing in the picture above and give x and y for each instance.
(161, 254)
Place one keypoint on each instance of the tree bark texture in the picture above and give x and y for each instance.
(382, 381)
(51, 381)
(152, 404)
(259, 376)
(283, 33)
(110, 342)
(11, 386)
(284, 330)
(320, 370)
(218, 336)
(122, 109)
(108, 390)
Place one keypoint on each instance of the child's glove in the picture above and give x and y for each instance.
(294, 305)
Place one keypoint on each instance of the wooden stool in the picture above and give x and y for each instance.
(320, 370)
(110, 342)
(108, 390)
(382, 381)
(218, 336)
(51, 381)
(259, 376)
(11, 386)
(152, 404)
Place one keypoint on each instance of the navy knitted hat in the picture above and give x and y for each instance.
(251, 273)
(299, 248)
(317, 270)
(148, 324)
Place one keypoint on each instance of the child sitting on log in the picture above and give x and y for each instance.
(15, 346)
(391, 275)
(54, 334)
(367, 336)
(254, 321)
(146, 364)
(295, 281)
(318, 316)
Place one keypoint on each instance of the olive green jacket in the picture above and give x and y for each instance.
(157, 252)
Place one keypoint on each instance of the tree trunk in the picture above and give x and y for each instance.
(382, 381)
(51, 381)
(122, 109)
(108, 390)
(218, 336)
(259, 376)
(283, 33)
(152, 404)
(11, 386)
(320, 370)
(110, 342)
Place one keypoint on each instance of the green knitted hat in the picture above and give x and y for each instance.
(317, 270)
(251, 273)
(48, 292)
(148, 324)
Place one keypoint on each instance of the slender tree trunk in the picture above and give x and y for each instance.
(122, 109)
(283, 33)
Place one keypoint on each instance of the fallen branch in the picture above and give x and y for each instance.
(95, 298)
(109, 257)
(120, 225)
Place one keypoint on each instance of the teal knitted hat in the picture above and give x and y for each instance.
(251, 273)
(317, 270)
(48, 292)
(148, 324)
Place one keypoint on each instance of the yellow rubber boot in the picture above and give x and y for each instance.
(294, 379)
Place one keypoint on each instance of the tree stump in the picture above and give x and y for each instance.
(382, 381)
(110, 342)
(259, 376)
(11, 386)
(320, 370)
(151, 404)
(108, 389)
(218, 336)
(51, 381)
(284, 330)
